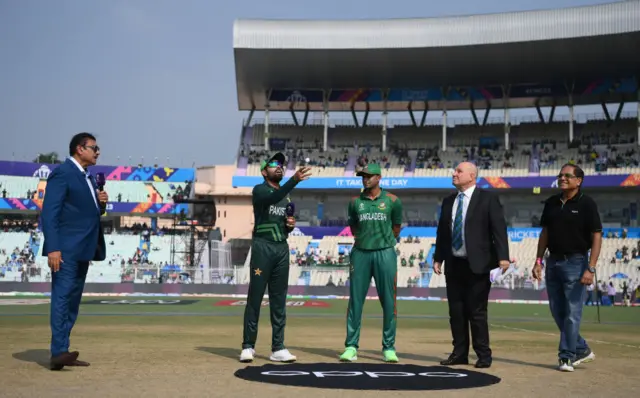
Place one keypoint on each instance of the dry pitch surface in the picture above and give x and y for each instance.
(196, 356)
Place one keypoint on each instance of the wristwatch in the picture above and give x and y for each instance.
(592, 270)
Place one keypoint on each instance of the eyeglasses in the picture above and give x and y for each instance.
(566, 175)
(274, 163)
(94, 148)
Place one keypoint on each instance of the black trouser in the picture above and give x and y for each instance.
(468, 297)
(269, 267)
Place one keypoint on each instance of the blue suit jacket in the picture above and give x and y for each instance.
(70, 217)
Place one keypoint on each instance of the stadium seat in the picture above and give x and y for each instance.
(534, 147)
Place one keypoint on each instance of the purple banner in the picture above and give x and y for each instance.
(119, 173)
(592, 181)
(112, 207)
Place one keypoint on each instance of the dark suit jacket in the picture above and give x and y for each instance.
(70, 217)
(485, 232)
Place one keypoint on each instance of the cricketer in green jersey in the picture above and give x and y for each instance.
(375, 218)
(270, 257)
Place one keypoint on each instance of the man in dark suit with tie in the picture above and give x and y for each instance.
(73, 237)
(471, 241)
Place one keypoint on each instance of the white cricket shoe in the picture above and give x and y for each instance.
(587, 357)
(565, 365)
(283, 356)
(247, 355)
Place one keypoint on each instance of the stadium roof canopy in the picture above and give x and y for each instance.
(535, 56)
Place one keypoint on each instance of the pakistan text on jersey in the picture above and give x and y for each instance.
(277, 210)
(372, 217)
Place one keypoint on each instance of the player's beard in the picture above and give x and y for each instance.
(275, 178)
(370, 185)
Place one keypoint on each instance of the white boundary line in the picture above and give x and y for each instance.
(556, 335)
(290, 296)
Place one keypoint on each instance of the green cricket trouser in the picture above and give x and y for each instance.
(269, 267)
(382, 265)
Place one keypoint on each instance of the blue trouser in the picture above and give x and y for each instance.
(66, 293)
(566, 299)
(589, 298)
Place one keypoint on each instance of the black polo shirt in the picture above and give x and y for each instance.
(570, 225)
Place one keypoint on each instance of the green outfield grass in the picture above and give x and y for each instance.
(411, 313)
(190, 350)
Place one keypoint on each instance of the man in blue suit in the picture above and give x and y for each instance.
(73, 237)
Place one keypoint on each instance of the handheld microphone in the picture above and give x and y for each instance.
(290, 209)
(100, 181)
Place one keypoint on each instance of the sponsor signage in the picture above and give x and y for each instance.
(548, 182)
(24, 301)
(140, 302)
(111, 173)
(265, 303)
(457, 93)
(518, 234)
(368, 376)
(515, 234)
(7, 204)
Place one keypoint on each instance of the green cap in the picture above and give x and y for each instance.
(370, 169)
(279, 156)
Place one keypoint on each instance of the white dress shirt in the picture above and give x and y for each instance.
(86, 173)
(465, 205)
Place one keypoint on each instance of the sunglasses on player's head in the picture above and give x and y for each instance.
(274, 163)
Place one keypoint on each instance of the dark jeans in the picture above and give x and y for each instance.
(589, 298)
(566, 299)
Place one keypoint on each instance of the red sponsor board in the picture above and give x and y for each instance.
(265, 303)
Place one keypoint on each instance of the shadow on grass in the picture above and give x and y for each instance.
(377, 356)
(226, 352)
(39, 356)
(233, 353)
(327, 353)
(472, 359)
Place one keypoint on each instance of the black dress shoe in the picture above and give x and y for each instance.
(80, 363)
(62, 360)
(483, 363)
(455, 360)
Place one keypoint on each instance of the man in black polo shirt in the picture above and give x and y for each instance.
(570, 228)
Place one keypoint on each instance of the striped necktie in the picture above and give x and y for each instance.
(457, 224)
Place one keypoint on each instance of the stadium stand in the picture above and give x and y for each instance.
(120, 191)
(535, 148)
(501, 147)
(140, 258)
(313, 262)
(414, 257)
(603, 145)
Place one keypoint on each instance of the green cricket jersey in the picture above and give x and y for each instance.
(269, 206)
(371, 220)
